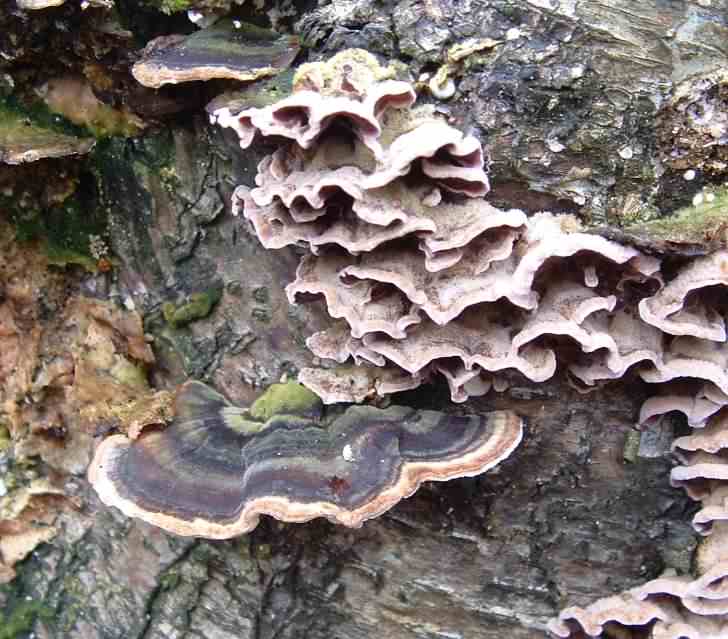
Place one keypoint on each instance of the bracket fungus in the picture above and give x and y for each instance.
(424, 277)
(24, 141)
(216, 468)
(427, 277)
(225, 51)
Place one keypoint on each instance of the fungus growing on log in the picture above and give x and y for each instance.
(216, 468)
(222, 51)
(668, 309)
(432, 280)
(23, 141)
(425, 278)
(672, 607)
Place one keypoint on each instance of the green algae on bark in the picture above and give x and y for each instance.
(22, 618)
(23, 140)
(226, 50)
(703, 224)
(262, 93)
(197, 306)
(290, 398)
(173, 6)
(70, 233)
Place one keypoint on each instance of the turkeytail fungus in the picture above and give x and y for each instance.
(216, 468)
(226, 50)
(424, 278)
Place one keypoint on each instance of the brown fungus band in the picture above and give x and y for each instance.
(216, 468)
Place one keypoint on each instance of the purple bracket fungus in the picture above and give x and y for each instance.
(216, 468)
(671, 607)
(403, 249)
(222, 51)
(668, 309)
(696, 404)
(704, 471)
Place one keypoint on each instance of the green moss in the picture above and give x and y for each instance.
(708, 221)
(290, 398)
(261, 93)
(169, 581)
(5, 439)
(64, 257)
(240, 424)
(171, 6)
(22, 618)
(64, 231)
(128, 374)
(197, 306)
(39, 115)
(631, 447)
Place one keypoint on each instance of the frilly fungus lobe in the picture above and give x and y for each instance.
(427, 276)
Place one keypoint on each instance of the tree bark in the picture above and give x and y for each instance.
(578, 105)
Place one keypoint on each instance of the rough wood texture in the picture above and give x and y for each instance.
(575, 104)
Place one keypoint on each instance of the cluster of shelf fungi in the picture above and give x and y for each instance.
(423, 278)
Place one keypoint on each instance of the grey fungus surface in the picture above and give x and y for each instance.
(226, 50)
(215, 469)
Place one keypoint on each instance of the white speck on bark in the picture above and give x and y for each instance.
(626, 153)
(554, 145)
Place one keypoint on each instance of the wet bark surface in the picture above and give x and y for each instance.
(577, 105)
